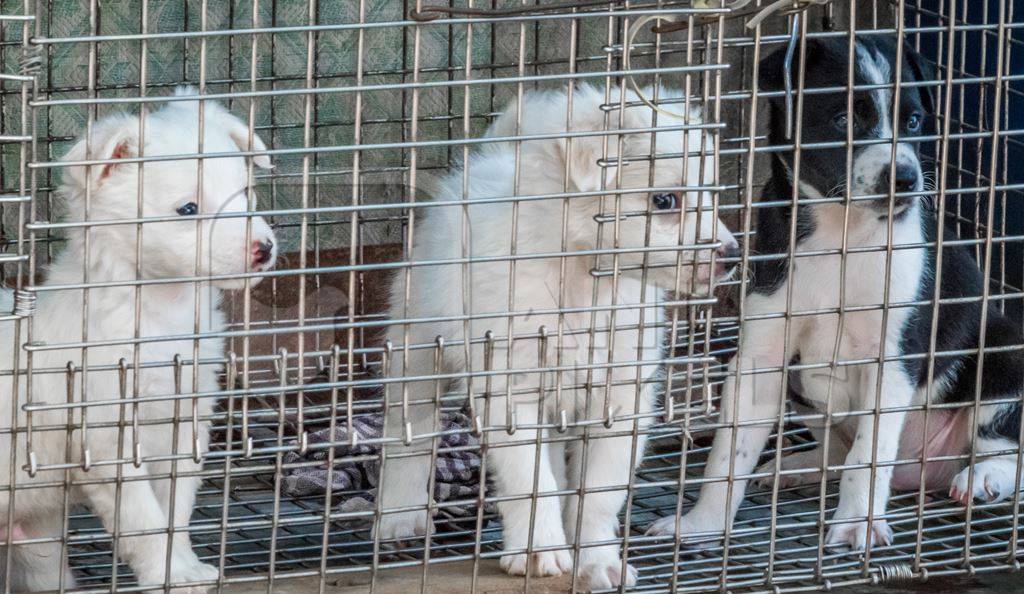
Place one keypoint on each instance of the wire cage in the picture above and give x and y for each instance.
(363, 106)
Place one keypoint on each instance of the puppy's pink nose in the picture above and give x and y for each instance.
(262, 252)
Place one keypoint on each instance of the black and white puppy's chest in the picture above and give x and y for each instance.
(908, 276)
(857, 285)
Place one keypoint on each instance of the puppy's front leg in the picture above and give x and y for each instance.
(610, 461)
(758, 397)
(185, 484)
(855, 489)
(138, 511)
(405, 480)
(184, 489)
(524, 475)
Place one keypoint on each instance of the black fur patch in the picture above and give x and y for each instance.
(773, 229)
(1005, 425)
(959, 327)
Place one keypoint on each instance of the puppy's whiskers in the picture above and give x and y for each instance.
(928, 183)
(836, 191)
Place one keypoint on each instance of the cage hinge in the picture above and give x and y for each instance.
(24, 303)
(895, 572)
(31, 60)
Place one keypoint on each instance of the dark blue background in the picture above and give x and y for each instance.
(1011, 153)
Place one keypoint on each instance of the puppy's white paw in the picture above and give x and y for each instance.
(185, 568)
(696, 530)
(603, 571)
(202, 572)
(546, 563)
(854, 535)
(993, 481)
(403, 525)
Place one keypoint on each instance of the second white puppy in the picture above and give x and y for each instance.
(604, 331)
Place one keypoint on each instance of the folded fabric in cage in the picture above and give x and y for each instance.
(456, 471)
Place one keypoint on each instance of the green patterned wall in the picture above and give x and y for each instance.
(390, 51)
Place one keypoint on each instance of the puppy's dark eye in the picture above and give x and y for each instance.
(665, 201)
(914, 122)
(188, 209)
(840, 120)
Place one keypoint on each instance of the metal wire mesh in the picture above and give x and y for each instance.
(363, 106)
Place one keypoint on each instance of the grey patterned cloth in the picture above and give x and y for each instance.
(354, 481)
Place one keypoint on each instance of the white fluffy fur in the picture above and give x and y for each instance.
(444, 290)
(168, 250)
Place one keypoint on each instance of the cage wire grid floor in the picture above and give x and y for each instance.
(267, 531)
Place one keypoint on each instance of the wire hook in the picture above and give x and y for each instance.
(787, 70)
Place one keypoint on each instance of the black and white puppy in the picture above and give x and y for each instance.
(835, 357)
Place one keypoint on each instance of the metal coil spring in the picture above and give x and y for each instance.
(24, 303)
(895, 572)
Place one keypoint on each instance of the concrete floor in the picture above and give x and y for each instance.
(455, 578)
(445, 578)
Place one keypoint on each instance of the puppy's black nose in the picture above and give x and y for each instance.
(729, 250)
(906, 179)
(261, 252)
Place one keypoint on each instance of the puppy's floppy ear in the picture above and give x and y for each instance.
(239, 132)
(583, 155)
(771, 74)
(113, 137)
(236, 128)
(923, 71)
(771, 71)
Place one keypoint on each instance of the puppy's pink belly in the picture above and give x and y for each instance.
(16, 533)
(947, 436)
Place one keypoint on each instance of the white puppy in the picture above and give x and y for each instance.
(609, 335)
(96, 456)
